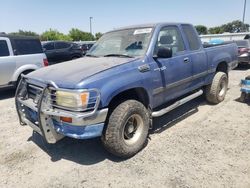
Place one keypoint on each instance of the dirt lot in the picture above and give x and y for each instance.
(197, 145)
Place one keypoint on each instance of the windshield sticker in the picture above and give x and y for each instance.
(142, 31)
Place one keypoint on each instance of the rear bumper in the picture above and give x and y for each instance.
(244, 58)
(45, 120)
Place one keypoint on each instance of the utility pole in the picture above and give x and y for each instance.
(244, 13)
(90, 24)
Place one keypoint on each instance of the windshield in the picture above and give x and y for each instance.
(123, 43)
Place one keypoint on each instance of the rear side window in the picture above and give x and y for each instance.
(4, 50)
(62, 45)
(28, 46)
(49, 46)
(192, 37)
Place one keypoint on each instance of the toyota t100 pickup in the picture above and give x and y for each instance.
(123, 83)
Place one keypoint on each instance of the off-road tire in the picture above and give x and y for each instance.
(216, 92)
(113, 137)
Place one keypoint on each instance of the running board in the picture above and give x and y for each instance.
(177, 104)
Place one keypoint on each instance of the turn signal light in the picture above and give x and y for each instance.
(66, 119)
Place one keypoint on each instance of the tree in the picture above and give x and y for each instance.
(231, 27)
(78, 35)
(54, 35)
(98, 35)
(25, 33)
(235, 27)
(201, 29)
(215, 30)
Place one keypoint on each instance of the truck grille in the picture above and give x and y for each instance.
(34, 92)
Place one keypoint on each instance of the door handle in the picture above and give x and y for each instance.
(186, 60)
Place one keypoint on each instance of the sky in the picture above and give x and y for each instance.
(63, 15)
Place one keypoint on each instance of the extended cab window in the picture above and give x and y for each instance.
(25, 47)
(4, 50)
(192, 37)
(170, 37)
(62, 45)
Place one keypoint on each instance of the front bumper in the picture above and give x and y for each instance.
(45, 119)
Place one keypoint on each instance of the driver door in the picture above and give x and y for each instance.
(176, 71)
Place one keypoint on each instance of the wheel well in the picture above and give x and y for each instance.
(222, 67)
(24, 72)
(138, 94)
(75, 56)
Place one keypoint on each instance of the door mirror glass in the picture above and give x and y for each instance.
(164, 52)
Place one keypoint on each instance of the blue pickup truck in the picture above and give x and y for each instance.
(124, 81)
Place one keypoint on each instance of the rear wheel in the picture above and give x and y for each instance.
(127, 129)
(216, 92)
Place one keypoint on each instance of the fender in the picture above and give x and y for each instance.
(222, 57)
(106, 99)
(23, 68)
(115, 81)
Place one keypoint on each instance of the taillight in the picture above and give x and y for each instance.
(45, 62)
(244, 50)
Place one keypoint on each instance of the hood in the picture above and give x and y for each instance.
(70, 73)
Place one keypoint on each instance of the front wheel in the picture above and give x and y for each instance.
(216, 92)
(127, 129)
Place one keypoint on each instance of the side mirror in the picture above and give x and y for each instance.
(44, 50)
(164, 52)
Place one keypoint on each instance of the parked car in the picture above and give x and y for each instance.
(244, 51)
(19, 55)
(128, 77)
(60, 51)
(85, 46)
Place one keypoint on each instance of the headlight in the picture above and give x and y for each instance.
(75, 100)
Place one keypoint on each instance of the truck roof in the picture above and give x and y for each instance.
(18, 36)
(148, 25)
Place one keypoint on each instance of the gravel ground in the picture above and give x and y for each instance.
(196, 145)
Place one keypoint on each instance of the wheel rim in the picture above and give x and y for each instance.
(223, 87)
(133, 129)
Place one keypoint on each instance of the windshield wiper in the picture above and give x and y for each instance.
(118, 55)
(90, 55)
